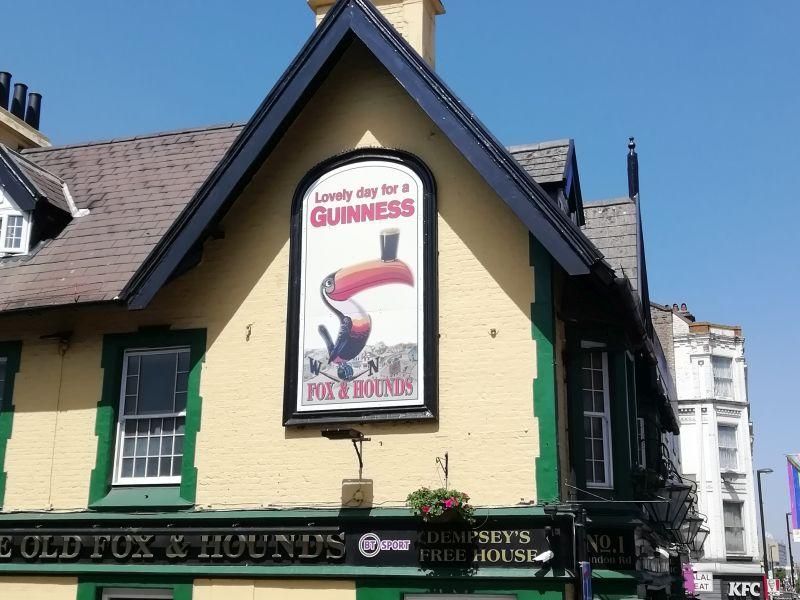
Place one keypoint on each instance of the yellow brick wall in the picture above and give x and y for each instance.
(245, 457)
(38, 588)
(225, 589)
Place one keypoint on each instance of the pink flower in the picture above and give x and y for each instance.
(449, 503)
(426, 509)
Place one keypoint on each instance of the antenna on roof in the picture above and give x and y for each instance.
(633, 169)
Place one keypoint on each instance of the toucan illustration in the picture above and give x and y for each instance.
(337, 291)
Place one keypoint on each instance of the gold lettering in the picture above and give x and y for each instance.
(525, 537)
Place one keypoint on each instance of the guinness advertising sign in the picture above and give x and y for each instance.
(361, 325)
(358, 543)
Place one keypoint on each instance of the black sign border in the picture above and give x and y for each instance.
(429, 409)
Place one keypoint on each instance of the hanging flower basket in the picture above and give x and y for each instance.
(440, 505)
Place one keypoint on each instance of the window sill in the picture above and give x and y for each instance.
(138, 497)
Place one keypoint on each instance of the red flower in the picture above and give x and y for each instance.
(426, 509)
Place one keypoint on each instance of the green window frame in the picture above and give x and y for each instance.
(92, 588)
(102, 494)
(10, 353)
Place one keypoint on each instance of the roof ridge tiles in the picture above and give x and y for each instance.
(540, 145)
(231, 125)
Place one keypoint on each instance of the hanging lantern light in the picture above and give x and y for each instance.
(699, 540)
(673, 504)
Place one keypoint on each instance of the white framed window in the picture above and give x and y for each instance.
(734, 527)
(596, 419)
(13, 229)
(136, 594)
(642, 442)
(726, 440)
(152, 416)
(722, 367)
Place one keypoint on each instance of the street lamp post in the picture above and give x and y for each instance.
(759, 473)
(789, 543)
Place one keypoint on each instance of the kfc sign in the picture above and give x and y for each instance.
(742, 589)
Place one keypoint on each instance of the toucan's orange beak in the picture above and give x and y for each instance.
(354, 279)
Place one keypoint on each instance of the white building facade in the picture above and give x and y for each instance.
(716, 448)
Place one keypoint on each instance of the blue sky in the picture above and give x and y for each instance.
(710, 90)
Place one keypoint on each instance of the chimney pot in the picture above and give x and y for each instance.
(684, 308)
(18, 101)
(675, 306)
(34, 111)
(5, 88)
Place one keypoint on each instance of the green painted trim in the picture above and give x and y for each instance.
(601, 574)
(192, 515)
(621, 426)
(534, 589)
(545, 396)
(294, 571)
(91, 588)
(133, 497)
(12, 352)
(114, 346)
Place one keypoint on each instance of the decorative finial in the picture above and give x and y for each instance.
(631, 144)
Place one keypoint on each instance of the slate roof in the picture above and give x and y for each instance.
(44, 184)
(134, 188)
(611, 225)
(546, 162)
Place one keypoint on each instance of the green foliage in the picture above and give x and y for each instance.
(440, 503)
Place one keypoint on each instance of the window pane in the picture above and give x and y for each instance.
(722, 367)
(734, 529)
(183, 360)
(182, 382)
(180, 402)
(128, 446)
(726, 437)
(156, 383)
(13, 237)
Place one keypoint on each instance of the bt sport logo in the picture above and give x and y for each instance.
(370, 545)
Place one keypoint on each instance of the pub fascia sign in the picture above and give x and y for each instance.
(497, 545)
(360, 332)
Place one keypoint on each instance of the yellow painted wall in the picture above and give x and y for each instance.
(38, 588)
(286, 589)
(245, 456)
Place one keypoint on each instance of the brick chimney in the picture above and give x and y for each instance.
(415, 20)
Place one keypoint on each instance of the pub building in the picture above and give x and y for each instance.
(229, 355)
